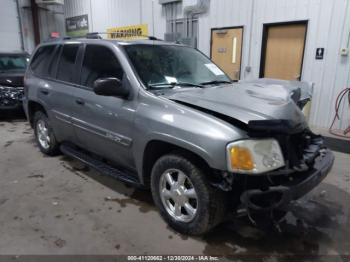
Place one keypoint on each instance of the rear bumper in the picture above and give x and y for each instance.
(279, 196)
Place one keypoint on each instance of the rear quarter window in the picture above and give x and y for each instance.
(42, 59)
(66, 67)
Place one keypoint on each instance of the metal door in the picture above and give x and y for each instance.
(283, 51)
(226, 50)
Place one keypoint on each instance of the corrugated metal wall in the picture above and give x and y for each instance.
(104, 14)
(27, 25)
(9, 27)
(51, 19)
(328, 27)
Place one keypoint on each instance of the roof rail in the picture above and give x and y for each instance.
(54, 39)
(93, 35)
(96, 35)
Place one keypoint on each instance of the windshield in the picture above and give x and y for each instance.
(13, 62)
(166, 66)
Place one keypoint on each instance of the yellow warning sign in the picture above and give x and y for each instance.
(128, 32)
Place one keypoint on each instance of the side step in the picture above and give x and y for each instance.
(100, 166)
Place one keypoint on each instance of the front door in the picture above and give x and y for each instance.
(282, 56)
(103, 124)
(226, 50)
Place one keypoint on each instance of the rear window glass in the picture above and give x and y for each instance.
(66, 67)
(41, 60)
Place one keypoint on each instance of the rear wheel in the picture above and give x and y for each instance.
(186, 200)
(44, 135)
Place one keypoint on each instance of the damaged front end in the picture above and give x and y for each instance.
(307, 163)
(11, 97)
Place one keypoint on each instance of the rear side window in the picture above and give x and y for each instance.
(66, 67)
(41, 60)
(52, 69)
(99, 62)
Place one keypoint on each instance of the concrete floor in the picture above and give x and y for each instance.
(59, 206)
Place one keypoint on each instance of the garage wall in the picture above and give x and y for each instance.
(104, 14)
(328, 27)
(9, 27)
(51, 19)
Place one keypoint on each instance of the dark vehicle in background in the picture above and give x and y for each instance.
(12, 69)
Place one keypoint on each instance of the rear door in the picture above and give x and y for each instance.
(60, 91)
(43, 88)
(103, 124)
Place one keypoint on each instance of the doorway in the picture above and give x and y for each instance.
(226, 50)
(282, 51)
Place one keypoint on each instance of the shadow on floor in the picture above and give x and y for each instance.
(12, 116)
(336, 144)
(315, 225)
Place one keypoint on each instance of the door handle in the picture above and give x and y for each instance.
(44, 91)
(80, 101)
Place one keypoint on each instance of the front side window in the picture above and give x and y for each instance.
(164, 66)
(66, 67)
(41, 60)
(99, 62)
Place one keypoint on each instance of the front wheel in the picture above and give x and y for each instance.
(44, 135)
(185, 198)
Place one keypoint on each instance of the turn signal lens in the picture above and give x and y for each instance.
(254, 156)
(241, 158)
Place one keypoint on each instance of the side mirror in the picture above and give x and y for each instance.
(110, 86)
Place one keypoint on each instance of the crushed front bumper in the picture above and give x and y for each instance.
(11, 98)
(279, 196)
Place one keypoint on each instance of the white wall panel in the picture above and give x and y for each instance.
(104, 14)
(9, 26)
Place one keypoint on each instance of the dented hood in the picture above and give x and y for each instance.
(241, 101)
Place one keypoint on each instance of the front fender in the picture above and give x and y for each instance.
(166, 138)
(166, 121)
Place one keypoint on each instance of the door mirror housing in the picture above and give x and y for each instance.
(110, 86)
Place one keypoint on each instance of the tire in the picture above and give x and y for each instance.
(210, 203)
(52, 147)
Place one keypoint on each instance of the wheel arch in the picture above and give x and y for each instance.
(33, 107)
(158, 148)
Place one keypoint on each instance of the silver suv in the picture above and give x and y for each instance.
(165, 117)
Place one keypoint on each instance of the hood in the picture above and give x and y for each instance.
(243, 102)
(12, 79)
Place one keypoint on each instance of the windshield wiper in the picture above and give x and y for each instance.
(174, 84)
(216, 82)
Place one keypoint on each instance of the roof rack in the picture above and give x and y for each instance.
(96, 35)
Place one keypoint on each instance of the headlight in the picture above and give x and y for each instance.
(254, 156)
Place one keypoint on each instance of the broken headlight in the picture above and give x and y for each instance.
(254, 156)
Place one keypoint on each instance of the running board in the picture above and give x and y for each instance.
(100, 166)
